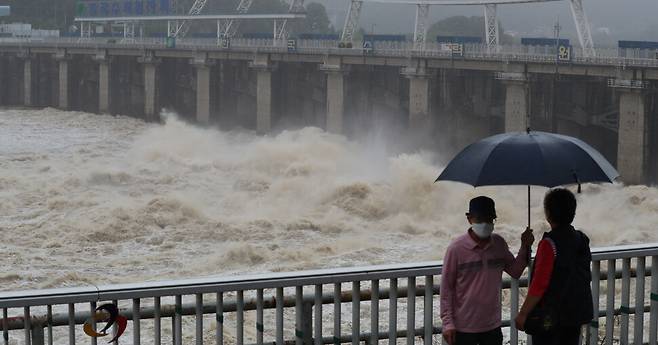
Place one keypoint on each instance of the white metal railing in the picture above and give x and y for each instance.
(295, 305)
(506, 53)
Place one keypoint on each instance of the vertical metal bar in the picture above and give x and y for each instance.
(259, 317)
(594, 326)
(514, 311)
(356, 312)
(137, 317)
(610, 303)
(157, 324)
(49, 320)
(173, 330)
(299, 301)
(279, 316)
(199, 319)
(71, 324)
(653, 317)
(5, 326)
(92, 310)
(374, 312)
(393, 311)
(427, 306)
(318, 315)
(37, 335)
(639, 301)
(337, 300)
(411, 310)
(28, 326)
(625, 299)
(178, 321)
(114, 327)
(219, 317)
(239, 332)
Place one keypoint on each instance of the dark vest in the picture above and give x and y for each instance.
(571, 278)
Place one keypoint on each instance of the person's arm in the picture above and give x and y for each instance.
(543, 271)
(514, 266)
(448, 283)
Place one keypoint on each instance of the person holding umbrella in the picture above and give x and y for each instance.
(559, 299)
(472, 276)
(527, 158)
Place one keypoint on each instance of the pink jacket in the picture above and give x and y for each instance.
(471, 281)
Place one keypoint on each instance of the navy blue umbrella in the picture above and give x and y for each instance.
(529, 158)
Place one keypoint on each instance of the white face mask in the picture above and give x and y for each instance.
(483, 230)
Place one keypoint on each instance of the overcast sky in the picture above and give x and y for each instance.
(626, 19)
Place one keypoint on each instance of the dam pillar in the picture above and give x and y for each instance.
(419, 92)
(202, 66)
(103, 83)
(263, 68)
(150, 92)
(335, 94)
(633, 140)
(63, 60)
(517, 117)
(27, 79)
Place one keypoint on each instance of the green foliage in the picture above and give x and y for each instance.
(458, 26)
(316, 21)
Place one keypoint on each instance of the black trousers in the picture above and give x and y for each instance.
(492, 337)
(567, 335)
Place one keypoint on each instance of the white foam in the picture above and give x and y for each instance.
(94, 198)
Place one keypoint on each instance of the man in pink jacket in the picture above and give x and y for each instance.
(472, 276)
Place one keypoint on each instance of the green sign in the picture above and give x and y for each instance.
(170, 42)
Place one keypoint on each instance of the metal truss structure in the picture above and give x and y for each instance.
(582, 27)
(491, 23)
(180, 28)
(228, 28)
(491, 20)
(351, 21)
(420, 29)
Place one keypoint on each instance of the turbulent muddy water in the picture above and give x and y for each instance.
(98, 199)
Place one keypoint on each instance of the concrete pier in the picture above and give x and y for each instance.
(264, 101)
(516, 103)
(202, 93)
(335, 101)
(103, 86)
(63, 61)
(264, 70)
(632, 154)
(419, 102)
(150, 93)
(335, 94)
(27, 81)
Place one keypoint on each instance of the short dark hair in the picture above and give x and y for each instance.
(560, 206)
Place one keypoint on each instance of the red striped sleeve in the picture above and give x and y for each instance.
(543, 268)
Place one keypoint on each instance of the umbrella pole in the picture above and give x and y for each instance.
(529, 249)
(528, 206)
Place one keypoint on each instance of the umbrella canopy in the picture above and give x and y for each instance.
(529, 158)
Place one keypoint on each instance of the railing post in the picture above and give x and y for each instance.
(38, 337)
(596, 282)
(653, 317)
(307, 322)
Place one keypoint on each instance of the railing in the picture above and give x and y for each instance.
(283, 308)
(506, 53)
